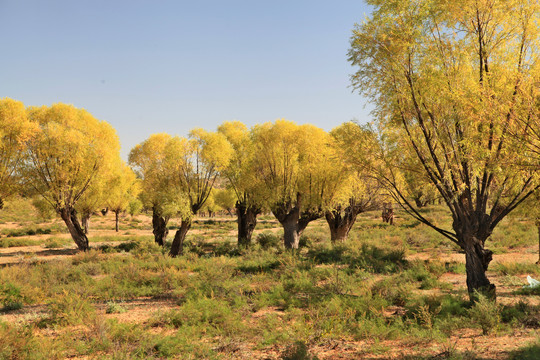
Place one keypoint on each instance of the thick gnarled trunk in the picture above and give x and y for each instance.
(288, 218)
(159, 225)
(294, 221)
(177, 247)
(69, 215)
(477, 260)
(247, 220)
(341, 223)
(472, 232)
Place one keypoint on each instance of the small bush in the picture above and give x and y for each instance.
(10, 297)
(114, 308)
(485, 313)
(268, 240)
(70, 309)
(54, 243)
(297, 351)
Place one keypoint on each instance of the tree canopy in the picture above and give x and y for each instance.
(455, 80)
(70, 150)
(15, 131)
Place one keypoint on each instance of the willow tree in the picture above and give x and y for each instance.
(453, 79)
(195, 165)
(242, 179)
(15, 130)
(69, 152)
(122, 188)
(157, 193)
(292, 162)
(351, 187)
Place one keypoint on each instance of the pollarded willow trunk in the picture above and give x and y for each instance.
(288, 218)
(341, 223)
(477, 260)
(294, 223)
(159, 225)
(177, 247)
(472, 232)
(247, 220)
(69, 215)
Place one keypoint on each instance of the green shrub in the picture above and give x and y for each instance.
(10, 297)
(485, 313)
(297, 351)
(54, 243)
(114, 308)
(521, 313)
(70, 309)
(268, 240)
(531, 352)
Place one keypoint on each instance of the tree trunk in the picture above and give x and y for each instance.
(116, 219)
(177, 247)
(291, 236)
(159, 225)
(340, 226)
(288, 218)
(477, 260)
(247, 220)
(1, 203)
(85, 222)
(293, 221)
(69, 215)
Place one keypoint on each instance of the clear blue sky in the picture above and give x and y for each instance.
(169, 66)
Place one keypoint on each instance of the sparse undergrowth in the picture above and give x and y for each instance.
(228, 302)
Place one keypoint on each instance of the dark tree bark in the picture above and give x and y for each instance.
(159, 225)
(247, 220)
(116, 219)
(69, 215)
(472, 232)
(1, 203)
(341, 222)
(177, 247)
(419, 203)
(294, 221)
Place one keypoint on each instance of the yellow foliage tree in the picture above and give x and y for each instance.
(456, 81)
(352, 187)
(293, 162)
(148, 161)
(195, 164)
(242, 180)
(70, 151)
(15, 131)
(122, 188)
